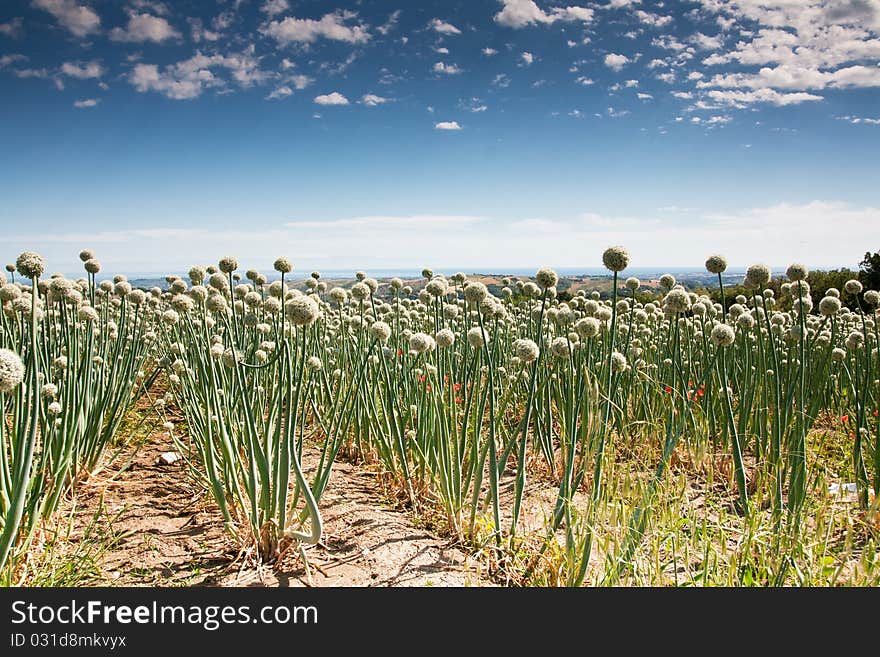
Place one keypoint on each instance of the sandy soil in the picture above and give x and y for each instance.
(166, 532)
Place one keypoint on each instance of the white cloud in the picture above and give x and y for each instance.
(390, 223)
(300, 82)
(307, 30)
(744, 237)
(85, 71)
(671, 237)
(791, 77)
(281, 92)
(188, 78)
(339, 67)
(571, 14)
(620, 4)
(704, 42)
(584, 80)
(797, 46)
(644, 96)
(527, 58)
(501, 81)
(521, 13)
(200, 33)
(36, 73)
(819, 33)
(615, 61)
(448, 69)
(372, 100)
(489, 51)
(78, 19)
(443, 27)
(668, 42)
(859, 119)
(13, 29)
(855, 76)
(274, 7)
(739, 98)
(473, 104)
(147, 77)
(654, 20)
(840, 228)
(6, 60)
(88, 102)
(389, 24)
(334, 98)
(224, 19)
(153, 6)
(675, 208)
(144, 27)
(447, 125)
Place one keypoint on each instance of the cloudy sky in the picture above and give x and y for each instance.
(476, 134)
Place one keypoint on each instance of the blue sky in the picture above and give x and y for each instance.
(476, 134)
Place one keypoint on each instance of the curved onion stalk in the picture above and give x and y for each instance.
(600, 449)
(243, 420)
(521, 451)
(798, 450)
(22, 441)
(739, 465)
(88, 351)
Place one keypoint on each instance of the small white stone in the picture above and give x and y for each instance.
(168, 458)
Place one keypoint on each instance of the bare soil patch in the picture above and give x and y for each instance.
(163, 530)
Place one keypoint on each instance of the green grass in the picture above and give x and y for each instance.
(67, 558)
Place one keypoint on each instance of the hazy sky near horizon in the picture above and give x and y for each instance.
(474, 134)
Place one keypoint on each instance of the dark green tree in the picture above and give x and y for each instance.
(870, 271)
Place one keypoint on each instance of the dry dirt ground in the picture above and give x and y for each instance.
(164, 531)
